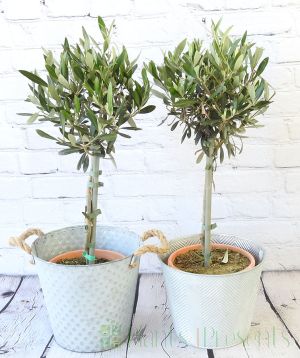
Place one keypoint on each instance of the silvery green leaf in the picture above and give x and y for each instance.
(89, 59)
(200, 157)
(131, 122)
(262, 66)
(72, 139)
(226, 257)
(63, 81)
(34, 78)
(110, 108)
(32, 118)
(44, 134)
(179, 48)
(238, 62)
(251, 91)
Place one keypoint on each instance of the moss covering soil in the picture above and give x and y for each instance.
(79, 261)
(193, 261)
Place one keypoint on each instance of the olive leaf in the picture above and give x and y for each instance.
(34, 78)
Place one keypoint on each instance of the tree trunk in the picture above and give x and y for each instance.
(207, 209)
(91, 208)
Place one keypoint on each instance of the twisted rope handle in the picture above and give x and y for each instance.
(151, 248)
(19, 241)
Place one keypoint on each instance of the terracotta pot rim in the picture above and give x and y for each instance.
(214, 246)
(110, 255)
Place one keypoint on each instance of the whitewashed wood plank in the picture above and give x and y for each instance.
(9, 285)
(55, 351)
(25, 330)
(268, 336)
(283, 290)
(152, 333)
(24, 325)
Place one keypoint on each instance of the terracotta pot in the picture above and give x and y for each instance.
(185, 249)
(100, 254)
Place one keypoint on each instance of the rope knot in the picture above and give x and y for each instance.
(152, 248)
(19, 241)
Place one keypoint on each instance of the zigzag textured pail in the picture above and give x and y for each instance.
(90, 307)
(212, 311)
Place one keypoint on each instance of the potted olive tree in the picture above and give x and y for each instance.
(90, 96)
(213, 94)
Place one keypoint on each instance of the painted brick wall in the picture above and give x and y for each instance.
(157, 183)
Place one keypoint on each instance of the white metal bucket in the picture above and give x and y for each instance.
(90, 307)
(212, 311)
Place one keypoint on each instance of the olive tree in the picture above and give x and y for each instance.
(89, 93)
(214, 93)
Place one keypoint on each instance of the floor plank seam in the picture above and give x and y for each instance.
(210, 353)
(273, 308)
(136, 293)
(3, 350)
(44, 355)
(165, 338)
(13, 296)
(246, 349)
(133, 313)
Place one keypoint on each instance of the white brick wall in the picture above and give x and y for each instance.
(157, 183)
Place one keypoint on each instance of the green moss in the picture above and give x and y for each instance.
(193, 261)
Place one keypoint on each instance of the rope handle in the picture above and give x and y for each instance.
(19, 241)
(151, 248)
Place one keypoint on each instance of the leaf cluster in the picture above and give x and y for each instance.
(214, 93)
(90, 94)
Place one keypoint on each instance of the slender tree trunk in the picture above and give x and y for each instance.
(91, 207)
(203, 218)
(207, 208)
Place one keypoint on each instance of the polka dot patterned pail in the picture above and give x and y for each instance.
(90, 307)
(212, 311)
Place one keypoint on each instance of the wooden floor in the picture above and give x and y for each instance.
(25, 330)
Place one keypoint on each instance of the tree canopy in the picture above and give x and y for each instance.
(214, 93)
(90, 94)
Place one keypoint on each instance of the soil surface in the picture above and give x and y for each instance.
(193, 261)
(79, 261)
